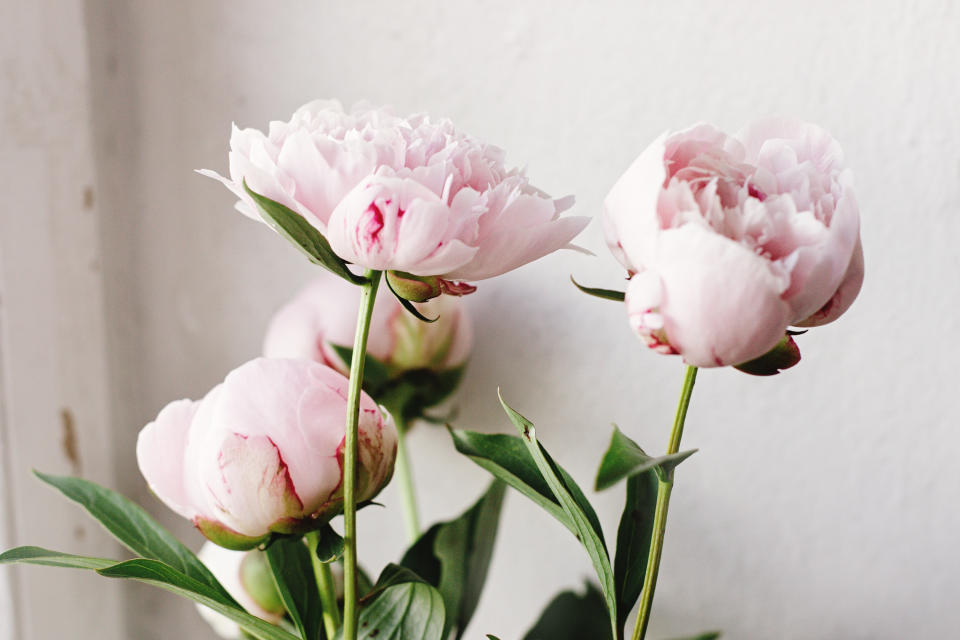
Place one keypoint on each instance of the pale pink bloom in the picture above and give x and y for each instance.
(235, 571)
(262, 452)
(405, 194)
(730, 240)
(324, 316)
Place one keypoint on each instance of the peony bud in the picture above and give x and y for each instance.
(414, 288)
(320, 322)
(262, 452)
(246, 576)
(731, 239)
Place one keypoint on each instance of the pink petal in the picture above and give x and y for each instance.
(721, 302)
(845, 295)
(508, 249)
(160, 453)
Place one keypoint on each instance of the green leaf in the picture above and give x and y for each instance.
(160, 575)
(134, 527)
(709, 635)
(292, 226)
(455, 556)
(571, 616)
(606, 294)
(633, 541)
(576, 506)
(403, 607)
(492, 637)
(507, 458)
(155, 573)
(330, 547)
(47, 558)
(624, 458)
(412, 310)
(292, 571)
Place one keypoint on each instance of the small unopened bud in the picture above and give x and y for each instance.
(414, 288)
(257, 580)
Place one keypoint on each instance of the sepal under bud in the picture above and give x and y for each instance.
(784, 355)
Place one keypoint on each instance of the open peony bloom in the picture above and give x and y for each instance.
(399, 194)
(262, 452)
(246, 576)
(730, 240)
(323, 317)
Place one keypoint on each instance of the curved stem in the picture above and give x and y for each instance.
(408, 494)
(368, 294)
(326, 586)
(664, 487)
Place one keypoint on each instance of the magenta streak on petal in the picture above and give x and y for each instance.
(370, 227)
(286, 473)
(756, 193)
(456, 288)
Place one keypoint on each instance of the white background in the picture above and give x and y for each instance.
(822, 503)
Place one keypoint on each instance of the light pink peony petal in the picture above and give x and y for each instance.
(820, 268)
(845, 295)
(509, 249)
(630, 208)
(721, 302)
(249, 484)
(160, 453)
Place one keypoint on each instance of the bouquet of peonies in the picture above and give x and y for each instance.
(728, 242)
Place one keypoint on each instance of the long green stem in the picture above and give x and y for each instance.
(664, 487)
(368, 294)
(326, 586)
(408, 494)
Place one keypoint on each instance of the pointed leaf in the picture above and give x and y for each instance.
(155, 573)
(633, 540)
(575, 505)
(625, 458)
(454, 556)
(47, 558)
(292, 572)
(571, 616)
(709, 635)
(160, 575)
(330, 547)
(292, 226)
(133, 527)
(507, 458)
(606, 294)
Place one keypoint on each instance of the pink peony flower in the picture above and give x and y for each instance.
(324, 316)
(730, 240)
(262, 452)
(402, 194)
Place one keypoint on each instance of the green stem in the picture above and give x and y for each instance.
(664, 487)
(408, 494)
(326, 586)
(368, 294)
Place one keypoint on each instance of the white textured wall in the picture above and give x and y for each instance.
(822, 504)
(54, 401)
